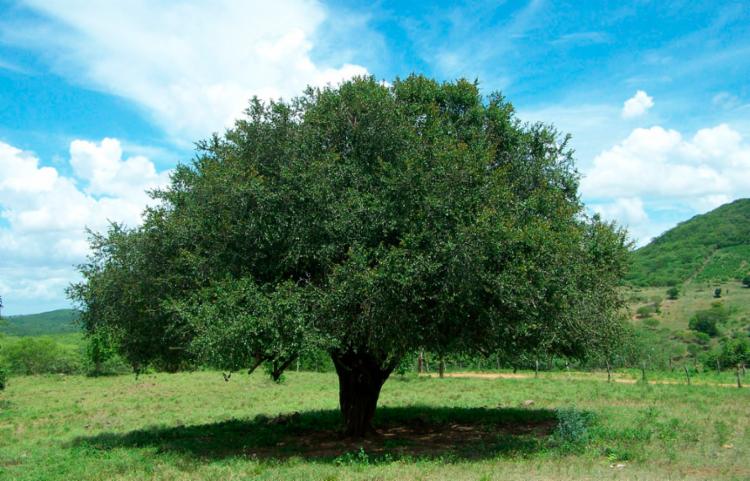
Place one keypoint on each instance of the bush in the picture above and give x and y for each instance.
(650, 322)
(673, 293)
(646, 311)
(717, 292)
(40, 356)
(572, 429)
(102, 358)
(735, 351)
(746, 281)
(3, 375)
(706, 321)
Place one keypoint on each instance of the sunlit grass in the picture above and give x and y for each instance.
(196, 426)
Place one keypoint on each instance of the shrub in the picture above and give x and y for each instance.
(572, 429)
(645, 311)
(3, 375)
(706, 321)
(41, 355)
(704, 325)
(746, 281)
(702, 338)
(735, 351)
(102, 358)
(673, 293)
(651, 322)
(717, 292)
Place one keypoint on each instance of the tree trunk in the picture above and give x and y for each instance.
(361, 377)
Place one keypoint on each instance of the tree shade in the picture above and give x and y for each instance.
(368, 220)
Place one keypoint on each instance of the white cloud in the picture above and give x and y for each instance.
(659, 168)
(45, 214)
(192, 65)
(637, 105)
(627, 210)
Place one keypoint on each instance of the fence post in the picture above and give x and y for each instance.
(536, 368)
(609, 372)
(441, 368)
(687, 374)
(419, 363)
(739, 379)
(643, 371)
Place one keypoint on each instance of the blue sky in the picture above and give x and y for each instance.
(98, 100)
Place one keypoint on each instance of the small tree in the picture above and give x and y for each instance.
(673, 293)
(717, 292)
(99, 350)
(368, 220)
(746, 281)
(707, 321)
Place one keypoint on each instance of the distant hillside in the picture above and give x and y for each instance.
(52, 322)
(712, 247)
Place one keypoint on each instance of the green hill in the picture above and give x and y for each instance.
(712, 247)
(53, 322)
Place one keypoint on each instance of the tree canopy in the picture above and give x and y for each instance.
(368, 220)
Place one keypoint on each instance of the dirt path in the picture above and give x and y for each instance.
(623, 380)
(700, 269)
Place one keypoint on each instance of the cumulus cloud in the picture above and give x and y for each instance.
(628, 210)
(658, 167)
(637, 105)
(192, 65)
(660, 162)
(43, 214)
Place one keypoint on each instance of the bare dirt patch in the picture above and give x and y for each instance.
(418, 438)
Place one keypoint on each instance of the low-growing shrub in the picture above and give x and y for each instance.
(651, 322)
(31, 355)
(646, 311)
(707, 320)
(3, 375)
(572, 430)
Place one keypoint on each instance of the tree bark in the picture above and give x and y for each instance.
(361, 377)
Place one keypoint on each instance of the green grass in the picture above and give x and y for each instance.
(192, 426)
(693, 297)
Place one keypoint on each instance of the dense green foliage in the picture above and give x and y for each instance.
(707, 321)
(3, 374)
(368, 221)
(709, 247)
(60, 321)
(673, 293)
(38, 355)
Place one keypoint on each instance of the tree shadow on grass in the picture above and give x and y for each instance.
(403, 432)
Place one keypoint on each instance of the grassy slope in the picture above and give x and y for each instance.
(694, 297)
(193, 426)
(709, 247)
(53, 322)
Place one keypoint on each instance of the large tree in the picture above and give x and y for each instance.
(370, 221)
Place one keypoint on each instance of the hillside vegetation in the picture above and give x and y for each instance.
(712, 247)
(61, 321)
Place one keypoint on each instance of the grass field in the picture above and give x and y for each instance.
(193, 426)
(694, 297)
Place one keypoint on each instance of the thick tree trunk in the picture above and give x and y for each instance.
(360, 379)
